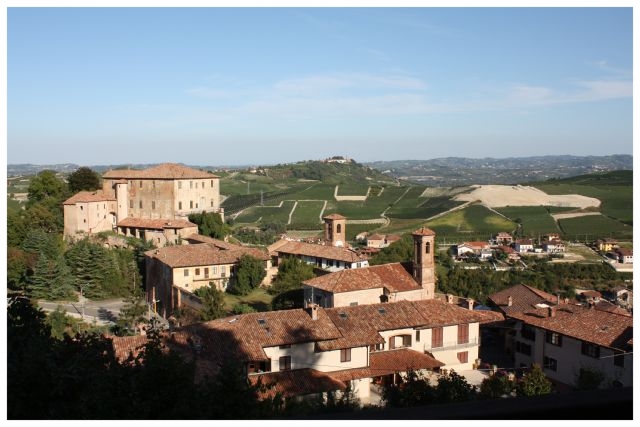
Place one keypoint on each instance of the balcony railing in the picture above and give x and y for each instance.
(448, 345)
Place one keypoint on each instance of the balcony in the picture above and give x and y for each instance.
(450, 345)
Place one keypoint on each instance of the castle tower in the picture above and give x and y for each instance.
(424, 268)
(335, 229)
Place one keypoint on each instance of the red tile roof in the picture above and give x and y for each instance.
(202, 254)
(334, 216)
(156, 224)
(88, 197)
(595, 326)
(394, 277)
(296, 382)
(124, 347)
(424, 231)
(523, 297)
(401, 360)
(319, 251)
(199, 238)
(163, 171)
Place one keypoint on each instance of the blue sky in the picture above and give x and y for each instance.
(227, 86)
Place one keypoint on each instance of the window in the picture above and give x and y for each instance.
(463, 334)
(551, 364)
(197, 271)
(427, 248)
(191, 204)
(81, 208)
(206, 272)
(285, 346)
(376, 347)
(417, 336)
(345, 355)
(214, 269)
(463, 357)
(527, 332)
(131, 204)
(212, 183)
(211, 202)
(223, 271)
(140, 184)
(180, 205)
(153, 204)
(523, 348)
(553, 338)
(618, 359)
(590, 350)
(186, 272)
(436, 337)
(179, 185)
(140, 204)
(285, 363)
(353, 304)
(190, 184)
(339, 228)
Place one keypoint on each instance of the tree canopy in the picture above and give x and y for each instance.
(83, 179)
(250, 271)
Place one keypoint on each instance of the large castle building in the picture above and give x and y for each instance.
(152, 204)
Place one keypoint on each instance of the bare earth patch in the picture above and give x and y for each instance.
(495, 196)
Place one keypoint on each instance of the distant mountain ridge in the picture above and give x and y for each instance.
(453, 171)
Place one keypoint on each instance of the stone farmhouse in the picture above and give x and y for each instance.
(151, 204)
(308, 352)
(382, 283)
(564, 337)
(379, 241)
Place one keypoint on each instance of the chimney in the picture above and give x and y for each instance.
(470, 303)
(552, 312)
(509, 301)
(312, 309)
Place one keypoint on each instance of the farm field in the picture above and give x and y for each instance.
(616, 200)
(307, 212)
(474, 222)
(535, 220)
(592, 227)
(266, 214)
(352, 189)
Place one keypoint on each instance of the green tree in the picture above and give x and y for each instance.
(18, 262)
(212, 303)
(534, 383)
(415, 390)
(250, 272)
(131, 314)
(400, 251)
(496, 385)
(454, 388)
(46, 185)
(291, 273)
(210, 224)
(83, 179)
(51, 280)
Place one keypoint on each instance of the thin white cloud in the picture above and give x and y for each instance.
(334, 82)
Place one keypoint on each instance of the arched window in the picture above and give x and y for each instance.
(427, 247)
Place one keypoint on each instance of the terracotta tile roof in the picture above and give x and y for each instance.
(424, 231)
(334, 216)
(296, 382)
(320, 251)
(201, 254)
(88, 197)
(523, 297)
(475, 244)
(401, 360)
(595, 326)
(156, 224)
(439, 313)
(127, 346)
(393, 277)
(376, 237)
(604, 305)
(199, 238)
(163, 171)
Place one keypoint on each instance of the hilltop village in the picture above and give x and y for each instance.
(359, 326)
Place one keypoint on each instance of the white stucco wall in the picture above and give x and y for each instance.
(304, 356)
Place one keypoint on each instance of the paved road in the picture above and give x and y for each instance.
(102, 312)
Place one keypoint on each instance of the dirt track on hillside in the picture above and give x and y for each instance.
(496, 196)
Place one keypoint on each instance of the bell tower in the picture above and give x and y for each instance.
(424, 268)
(335, 230)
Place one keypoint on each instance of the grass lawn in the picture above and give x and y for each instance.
(259, 299)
